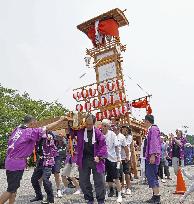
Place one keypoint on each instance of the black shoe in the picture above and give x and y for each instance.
(157, 199)
(111, 194)
(36, 199)
(150, 200)
(123, 196)
(154, 200)
(101, 202)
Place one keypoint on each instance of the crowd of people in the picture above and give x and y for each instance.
(104, 153)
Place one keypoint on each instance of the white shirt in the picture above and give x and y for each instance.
(129, 140)
(122, 143)
(111, 143)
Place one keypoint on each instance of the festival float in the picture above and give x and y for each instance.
(106, 97)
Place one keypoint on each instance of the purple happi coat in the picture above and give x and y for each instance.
(182, 152)
(50, 151)
(153, 144)
(20, 146)
(100, 149)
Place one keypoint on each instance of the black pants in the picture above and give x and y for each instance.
(13, 180)
(85, 184)
(165, 167)
(45, 173)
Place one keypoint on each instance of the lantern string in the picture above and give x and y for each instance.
(138, 85)
(71, 87)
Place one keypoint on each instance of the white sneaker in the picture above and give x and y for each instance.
(77, 192)
(182, 199)
(119, 199)
(128, 191)
(123, 190)
(106, 195)
(163, 181)
(59, 194)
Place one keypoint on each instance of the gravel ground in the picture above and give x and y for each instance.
(140, 193)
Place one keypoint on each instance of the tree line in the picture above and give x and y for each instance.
(14, 106)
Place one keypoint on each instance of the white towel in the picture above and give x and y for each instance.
(93, 136)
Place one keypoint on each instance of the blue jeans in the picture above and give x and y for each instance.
(151, 172)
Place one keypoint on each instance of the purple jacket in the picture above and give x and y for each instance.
(100, 149)
(20, 146)
(153, 144)
(183, 142)
(49, 152)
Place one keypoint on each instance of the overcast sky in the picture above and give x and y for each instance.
(42, 52)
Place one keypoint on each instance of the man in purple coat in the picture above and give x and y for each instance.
(20, 146)
(91, 151)
(153, 154)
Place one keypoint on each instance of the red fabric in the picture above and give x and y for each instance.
(143, 104)
(106, 27)
(109, 27)
(149, 110)
(140, 104)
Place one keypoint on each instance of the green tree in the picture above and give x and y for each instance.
(14, 106)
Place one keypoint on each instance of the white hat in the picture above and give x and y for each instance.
(106, 122)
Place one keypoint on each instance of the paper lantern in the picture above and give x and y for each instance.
(95, 103)
(87, 60)
(77, 95)
(123, 110)
(122, 96)
(103, 101)
(119, 84)
(106, 114)
(115, 112)
(79, 108)
(101, 89)
(111, 99)
(110, 86)
(84, 93)
(88, 106)
(99, 116)
(92, 92)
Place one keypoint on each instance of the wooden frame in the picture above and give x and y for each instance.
(115, 14)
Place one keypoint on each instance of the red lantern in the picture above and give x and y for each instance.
(99, 116)
(88, 106)
(116, 112)
(122, 96)
(111, 99)
(95, 103)
(79, 108)
(106, 114)
(76, 95)
(84, 93)
(103, 101)
(110, 86)
(119, 84)
(123, 110)
(101, 89)
(92, 92)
